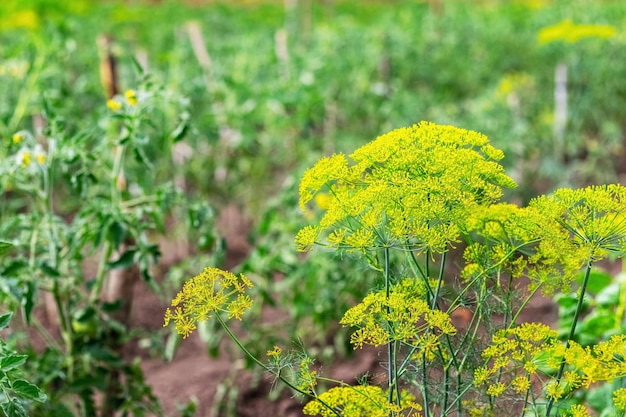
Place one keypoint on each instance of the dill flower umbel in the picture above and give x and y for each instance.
(578, 410)
(571, 33)
(515, 353)
(502, 234)
(211, 292)
(576, 227)
(411, 188)
(409, 314)
(619, 399)
(594, 218)
(361, 400)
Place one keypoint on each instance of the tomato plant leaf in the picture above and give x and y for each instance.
(28, 390)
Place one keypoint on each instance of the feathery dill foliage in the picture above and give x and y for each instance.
(410, 188)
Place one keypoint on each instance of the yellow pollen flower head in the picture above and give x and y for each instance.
(570, 32)
(24, 158)
(412, 187)
(114, 105)
(360, 400)
(578, 410)
(131, 97)
(213, 291)
(17, 138)
(619, 399)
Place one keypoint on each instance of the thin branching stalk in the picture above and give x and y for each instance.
(523, 306)
(268, 369)
(572, 330)
(424, 385)
(392, 370)
(439, 281)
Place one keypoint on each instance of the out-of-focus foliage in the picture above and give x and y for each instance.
(345, 71)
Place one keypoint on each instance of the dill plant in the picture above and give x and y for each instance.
(407, 201)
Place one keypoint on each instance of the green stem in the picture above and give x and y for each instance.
(572, 330)
(446, 386)
(439, 281)
(424, 385)
(483, 273)
(417, 270)
(50, 341)
(30, 88)
(392, 370)
(267, 368)
(118, 162)
(525, 402)
(524, 303)
(107, 248)
(53, 254)
(107, 251)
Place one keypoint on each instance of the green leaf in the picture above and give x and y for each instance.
(116, 233)
(111, 307)
(126, 260)
(141, 157)
(600, 398)
(137, 66)
(12, 361)
(5, 319)
(28, 390)
(171, 346)
(5, 247)
(28, 300)
(49, 271)
(180, 131)
(597, 324)
(609, 296)
(598, 280)
(59, 410)
(13, 408)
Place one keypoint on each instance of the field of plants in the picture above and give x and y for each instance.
(301, 207)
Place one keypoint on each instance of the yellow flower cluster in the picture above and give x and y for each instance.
(593, 218)
(412, 188)
(512, 350)
(520, 352)
(401, 316)
(572, 33)
(359, 401)
(619, 399)
(114, 105)
(578, 410)
(130, 96)
(550, 240)
(24, 157)
(307, 379)
(211, 292)
(503, 236)
(604, 361)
